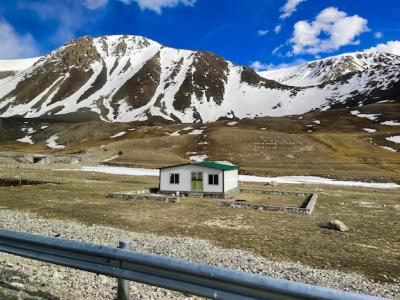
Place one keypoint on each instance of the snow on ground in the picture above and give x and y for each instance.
(317, 121)
(316, 180)
(394, 139)
(44, 127)
(26, 139)
(118, 170)
(187, 128)
(232, 123)
(51, 142)
(196, 132)
(391, 123)
(388, 148)
(369, 130)
(176, 133)
(245, 178)
(118, 134)
(110, 158)
(29, 130)
(198, 157)
(371, 117)
(131, 129)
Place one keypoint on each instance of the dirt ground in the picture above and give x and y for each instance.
(270, 199)
(371, 247)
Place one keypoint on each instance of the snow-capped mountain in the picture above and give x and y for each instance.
(131, 78)
(332, 68)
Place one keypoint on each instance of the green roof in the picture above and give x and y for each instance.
(216, 165)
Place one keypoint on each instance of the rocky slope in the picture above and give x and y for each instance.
(131, 78)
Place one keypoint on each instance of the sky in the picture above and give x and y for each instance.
(264, 34)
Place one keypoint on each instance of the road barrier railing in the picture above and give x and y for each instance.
(174, 274)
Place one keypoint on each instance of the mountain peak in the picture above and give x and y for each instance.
(131, 78)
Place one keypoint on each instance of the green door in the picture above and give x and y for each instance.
(197, 182)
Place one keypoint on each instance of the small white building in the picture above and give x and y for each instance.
(213, 178)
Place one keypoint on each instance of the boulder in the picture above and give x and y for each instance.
(337, 225)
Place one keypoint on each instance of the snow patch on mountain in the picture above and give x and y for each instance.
(51, 142)
(394, 139)
(178, 88)
(391, 123)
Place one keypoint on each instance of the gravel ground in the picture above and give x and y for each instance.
(27, 279)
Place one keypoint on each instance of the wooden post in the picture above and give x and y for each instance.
(123, 284)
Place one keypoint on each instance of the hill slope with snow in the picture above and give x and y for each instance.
(131, 78)
(332, 68)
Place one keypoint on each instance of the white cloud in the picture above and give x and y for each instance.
(158, 5)
(14, 45)
(277, 28)
(378, 35)
(262, 32)
(95, 4)
(330, 30)
(289, 8)
(260, 67)
(392, 47)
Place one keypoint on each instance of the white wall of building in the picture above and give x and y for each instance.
(185, 175)
(231, 180)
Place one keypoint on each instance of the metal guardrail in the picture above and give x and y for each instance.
(192, 278)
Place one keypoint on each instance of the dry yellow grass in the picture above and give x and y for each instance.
(371, 247)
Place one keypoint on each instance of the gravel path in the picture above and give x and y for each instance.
(23, 278)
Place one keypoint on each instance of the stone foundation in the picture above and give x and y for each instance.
(144, 194)
(307, 207)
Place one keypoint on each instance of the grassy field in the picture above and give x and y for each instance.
(371, 247)
(330, 144)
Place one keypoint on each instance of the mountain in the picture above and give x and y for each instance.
(332, 69)
(132, 78)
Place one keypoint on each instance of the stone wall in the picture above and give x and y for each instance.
(143, 194)
(307, 207)
(259, 191)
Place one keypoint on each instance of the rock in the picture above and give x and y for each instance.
(337, 225)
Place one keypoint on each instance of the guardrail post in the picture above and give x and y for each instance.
(123, 284)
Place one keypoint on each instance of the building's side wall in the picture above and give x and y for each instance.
(231, 180)
(185, 179)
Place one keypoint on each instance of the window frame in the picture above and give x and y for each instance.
(211, 179)
(174, 178)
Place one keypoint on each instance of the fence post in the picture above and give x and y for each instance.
(123, 284)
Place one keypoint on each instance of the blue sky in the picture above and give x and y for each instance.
(263, 33)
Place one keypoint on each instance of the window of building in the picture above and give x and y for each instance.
(213, 179)
(174, 178)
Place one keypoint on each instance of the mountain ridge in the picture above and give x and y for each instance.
(321, 71)
(131, 78)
